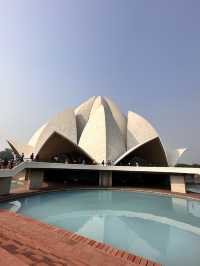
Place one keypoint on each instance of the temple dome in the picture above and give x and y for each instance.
(99, 130)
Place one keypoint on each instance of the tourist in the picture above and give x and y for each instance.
(22, 157)
(103, 162)
(14, 156)
(32, 156)
(5, 163)
(18, 158)
(11, 163)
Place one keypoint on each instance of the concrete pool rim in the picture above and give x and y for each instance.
(156, 192)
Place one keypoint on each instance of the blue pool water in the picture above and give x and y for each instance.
(164, 229)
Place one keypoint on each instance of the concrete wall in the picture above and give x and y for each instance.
(5, 183)
(35, 179)
(22, 175)
(197, 179)
(105, 178)
(177, 183)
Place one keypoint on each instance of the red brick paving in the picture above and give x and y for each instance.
(24, 241)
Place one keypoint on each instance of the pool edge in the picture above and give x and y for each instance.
(63, 235)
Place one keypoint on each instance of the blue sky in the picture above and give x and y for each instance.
(145, 55)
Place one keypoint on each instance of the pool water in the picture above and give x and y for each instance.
(162, 228)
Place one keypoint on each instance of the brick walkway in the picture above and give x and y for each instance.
(24, 241)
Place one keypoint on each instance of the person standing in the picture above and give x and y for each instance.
(11, 163)
(5, 163)
(32, 156)
(22, 157)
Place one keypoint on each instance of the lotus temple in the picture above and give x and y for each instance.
(95, 144)
(96, 187)
(99, 132)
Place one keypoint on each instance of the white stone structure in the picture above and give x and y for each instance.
(98, 130)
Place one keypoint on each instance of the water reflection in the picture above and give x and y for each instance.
(194, 208)
(14, 206)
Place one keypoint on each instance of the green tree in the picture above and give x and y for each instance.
(6, 154)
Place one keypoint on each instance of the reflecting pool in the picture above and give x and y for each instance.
(162, 228)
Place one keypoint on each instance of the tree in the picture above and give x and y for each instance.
(194, 165)
(6, 154)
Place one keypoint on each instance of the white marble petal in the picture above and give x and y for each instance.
(20, 148)
(63, 123)
(101, 137)
(174, 155)
(82, 113)
(119, 118)
(132, 150)
(139, 130)
(34, 139)
(93, 138)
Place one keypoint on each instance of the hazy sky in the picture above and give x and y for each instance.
(145, 55)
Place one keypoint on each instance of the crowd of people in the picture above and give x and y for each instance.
(109, 162)
(9, 164)
(60, 158)
(76, 159)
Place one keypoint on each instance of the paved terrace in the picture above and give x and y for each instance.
(133, 169)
